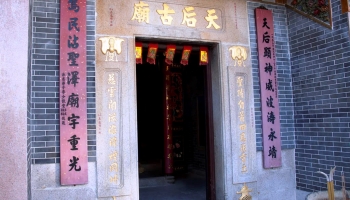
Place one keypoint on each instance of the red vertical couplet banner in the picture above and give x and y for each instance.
(168, 133)
(268, 86)
(73, 109)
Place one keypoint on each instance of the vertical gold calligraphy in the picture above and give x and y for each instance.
(112, 127)
(242, 124)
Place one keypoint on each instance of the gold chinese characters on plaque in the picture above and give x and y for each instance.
(165, 17)
(189, 17)
(142, 13)
(111, 47)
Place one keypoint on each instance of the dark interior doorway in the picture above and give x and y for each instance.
(191, 133)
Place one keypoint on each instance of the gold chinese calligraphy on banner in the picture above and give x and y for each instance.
(185, 16)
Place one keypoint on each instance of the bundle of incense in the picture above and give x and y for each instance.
(330, 184)
(345, 196)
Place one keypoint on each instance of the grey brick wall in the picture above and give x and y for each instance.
(316, 75)
(321, 82)
(284, 78)
(44, 134)
(45, 80)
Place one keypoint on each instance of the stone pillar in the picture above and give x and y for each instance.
(13, 100)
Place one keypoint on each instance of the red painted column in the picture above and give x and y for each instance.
(168, 135)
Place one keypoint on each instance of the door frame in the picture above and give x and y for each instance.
(210, 154)
(213, 50)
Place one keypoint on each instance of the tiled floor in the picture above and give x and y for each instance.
(188, 187)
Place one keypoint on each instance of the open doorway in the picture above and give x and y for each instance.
(192, 163)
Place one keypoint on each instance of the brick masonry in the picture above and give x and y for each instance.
(320, 60)
(313, 80)
(45, 82)
(284, 78)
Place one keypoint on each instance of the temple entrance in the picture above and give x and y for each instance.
(175, 137)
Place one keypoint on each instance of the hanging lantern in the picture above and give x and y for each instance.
(203, 55)
(138, 52)
(186, 55)
(170, 53)
(152, 53)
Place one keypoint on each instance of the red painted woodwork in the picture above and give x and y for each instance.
(268, 86)
(73, 109)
